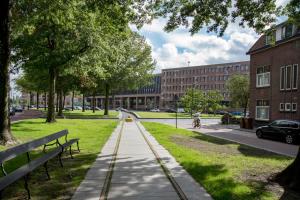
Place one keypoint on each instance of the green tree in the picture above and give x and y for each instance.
(129, 64)
(215, 15)
(214, 99)
(5, 17)
(194, 100)
(238, 87)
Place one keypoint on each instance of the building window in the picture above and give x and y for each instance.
(288, 79)
(281, 107)
(295, 76)
(263, 76)
(294, 107)
(282, 78)
(287, 31)
(287, 106)
(262, 110)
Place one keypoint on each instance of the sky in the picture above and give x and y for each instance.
(180, 49)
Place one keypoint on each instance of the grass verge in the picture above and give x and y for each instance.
(227, 170)
(173, 115)
(88, 114)
(92, 133)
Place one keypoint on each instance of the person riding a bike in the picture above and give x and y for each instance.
(196, 121)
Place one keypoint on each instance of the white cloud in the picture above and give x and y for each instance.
(176, 48)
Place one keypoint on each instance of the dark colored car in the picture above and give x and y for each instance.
(171, 110)
(286, 130)
(18, 109)
(12, 111)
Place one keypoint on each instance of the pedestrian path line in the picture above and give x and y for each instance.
(107, 181)
(166, 171)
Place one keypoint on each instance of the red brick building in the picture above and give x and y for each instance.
(274, 75)
(176, 81)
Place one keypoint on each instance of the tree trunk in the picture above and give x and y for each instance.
(83, 103)
(73, 100)
(57, 102)
(60, 103)
(28, 103)
(30, 100)
(51, 96)
(45, 102)
(5, 132)
(64, 101)
(106, 99)
(290, 177)
(94, 102)
(37, 100)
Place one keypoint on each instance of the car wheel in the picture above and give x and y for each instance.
(289, 139)
(259, 134)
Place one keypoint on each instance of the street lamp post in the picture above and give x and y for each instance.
(176, 107)
(192, 105)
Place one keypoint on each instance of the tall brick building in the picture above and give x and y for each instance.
(176, 81)
(274, 75)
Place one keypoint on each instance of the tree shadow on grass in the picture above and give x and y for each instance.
(243, 149)
(220, 185)
(209, 139)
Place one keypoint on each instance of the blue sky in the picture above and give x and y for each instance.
(177, 48)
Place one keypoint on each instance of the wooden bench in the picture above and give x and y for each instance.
(23, 171)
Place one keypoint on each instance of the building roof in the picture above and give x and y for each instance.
(260, 44)
(202, 66)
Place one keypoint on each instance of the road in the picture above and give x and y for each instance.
(213, 128)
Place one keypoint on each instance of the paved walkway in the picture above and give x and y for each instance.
(137, 173)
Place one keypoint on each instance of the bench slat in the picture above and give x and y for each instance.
(25, 169)
(28, 146)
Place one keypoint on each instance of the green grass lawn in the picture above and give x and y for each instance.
(172, 115)
(88, 114)
(227, 170)
(92, 133)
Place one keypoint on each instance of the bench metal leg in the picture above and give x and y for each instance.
(60, 161)
(46, 168)
(26, 186)
(71, 152)
(78, 146)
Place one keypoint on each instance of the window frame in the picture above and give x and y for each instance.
(281, 107)
(293, 80)
(262, 119)
(294, 110)
(282, 81)
(263, 76)
(285, 107)
(286, 73)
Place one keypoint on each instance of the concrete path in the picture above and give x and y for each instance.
(137, 173)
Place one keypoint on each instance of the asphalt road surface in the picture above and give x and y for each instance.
(212, 127)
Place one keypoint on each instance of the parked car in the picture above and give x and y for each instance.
(170, 110)
(12, 111)
(154, 110)
(221, 112)
(97, 108)
(286, 130)
(18, 109)
(180, 110)
(118, 108)
(77, 108)
(236, 113)
(87, 107)
(68, 108)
